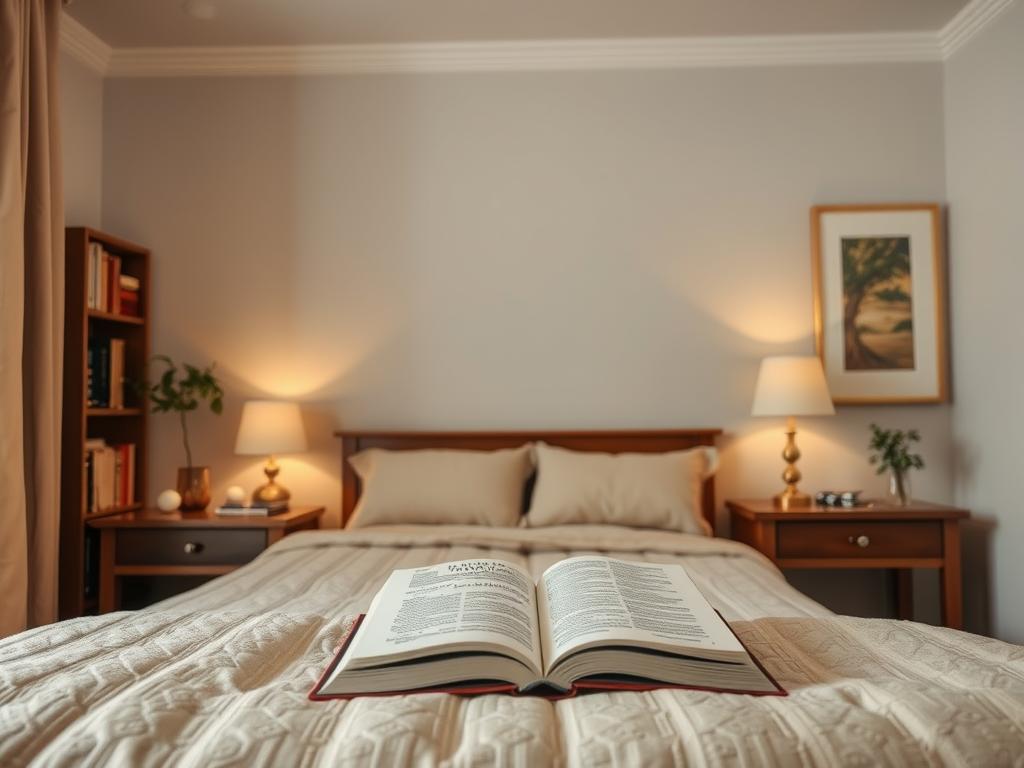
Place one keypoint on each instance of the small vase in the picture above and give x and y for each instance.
(899, 488)
(194, 487)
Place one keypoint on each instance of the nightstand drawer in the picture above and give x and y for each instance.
(858, 539)
(189, 546)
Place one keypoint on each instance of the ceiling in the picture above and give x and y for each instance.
(149, 23)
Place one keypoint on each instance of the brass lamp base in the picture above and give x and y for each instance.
(791, 498)
(270, 491)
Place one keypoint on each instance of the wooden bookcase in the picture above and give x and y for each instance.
(80, 422)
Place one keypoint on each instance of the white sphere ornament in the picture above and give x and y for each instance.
(236, 494)
(168, 500)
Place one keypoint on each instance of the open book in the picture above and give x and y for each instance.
(480, 626)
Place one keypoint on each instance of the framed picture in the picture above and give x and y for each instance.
(879, 302)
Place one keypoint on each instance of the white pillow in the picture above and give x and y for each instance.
(640, 490)
(441, 486)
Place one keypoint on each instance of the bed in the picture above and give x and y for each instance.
(220, 675)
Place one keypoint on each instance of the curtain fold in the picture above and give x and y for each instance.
(31, 311)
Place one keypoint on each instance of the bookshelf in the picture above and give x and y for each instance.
(92, 318)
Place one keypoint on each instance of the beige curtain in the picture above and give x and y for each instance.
(31, 310)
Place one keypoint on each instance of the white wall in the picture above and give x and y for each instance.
(81, 114)
(985, 162)
(611, 249)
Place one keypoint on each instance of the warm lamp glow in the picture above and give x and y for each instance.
(792, 386)
(269, 427)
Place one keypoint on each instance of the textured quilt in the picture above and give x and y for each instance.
(219, 675)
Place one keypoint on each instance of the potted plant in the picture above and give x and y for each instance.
(892, 454)
(181, 392)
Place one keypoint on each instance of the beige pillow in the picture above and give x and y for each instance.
(641, 490)
(441, 486)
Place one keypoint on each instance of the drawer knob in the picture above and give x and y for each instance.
(861, 541)
(193, 547)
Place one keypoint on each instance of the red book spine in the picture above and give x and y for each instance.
(115, 285)
(108, 268)
(102, 281)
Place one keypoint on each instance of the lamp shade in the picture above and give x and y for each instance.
(792, 386)
(269, 427)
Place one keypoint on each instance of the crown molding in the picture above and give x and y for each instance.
(82, 45)
(533, 55)
(973, 17)
(657, 53)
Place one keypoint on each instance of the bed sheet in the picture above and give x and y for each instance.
(219, 675)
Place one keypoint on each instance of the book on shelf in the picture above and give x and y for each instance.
(107, 288)
(105, 377)
(91, 367)
(263, 509)
(92, 299)
(116, 390)
(109, 475)
(128, 288)
(589, 624)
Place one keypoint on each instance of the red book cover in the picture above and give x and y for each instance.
(129, 302)
(510, 688)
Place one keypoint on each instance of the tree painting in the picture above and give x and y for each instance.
(877, 314)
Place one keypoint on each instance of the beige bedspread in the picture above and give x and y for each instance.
(219, 676)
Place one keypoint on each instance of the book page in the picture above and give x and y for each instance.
(470, 601)
(597, 600)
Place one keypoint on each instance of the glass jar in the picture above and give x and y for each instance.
(899, 487)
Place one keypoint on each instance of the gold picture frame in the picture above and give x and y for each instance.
(880, 302)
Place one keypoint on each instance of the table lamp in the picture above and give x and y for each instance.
(267, 428)
(790, 387)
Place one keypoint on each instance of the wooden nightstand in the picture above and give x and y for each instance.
(921, 535)
(154, 543)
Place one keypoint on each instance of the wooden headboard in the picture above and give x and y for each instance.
(638, 441)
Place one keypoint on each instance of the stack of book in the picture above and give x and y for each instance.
(109, 475)
(261, 508)
(108, 289)
(129, 295)
(105, 374)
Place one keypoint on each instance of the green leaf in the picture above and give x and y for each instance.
(171, 393)
(892, 449)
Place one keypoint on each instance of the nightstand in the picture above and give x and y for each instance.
(921, 535)
(191, 544)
